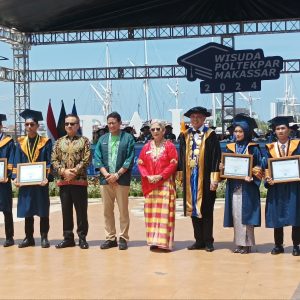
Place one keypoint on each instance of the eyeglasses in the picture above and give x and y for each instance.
(29, 124)
(70, 124)
(155, 129)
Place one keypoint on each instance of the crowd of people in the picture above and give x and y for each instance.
(197, 167)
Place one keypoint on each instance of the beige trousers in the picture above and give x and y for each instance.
(109, 195)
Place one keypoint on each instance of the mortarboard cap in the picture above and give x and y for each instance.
(2, 117)
(244, 118)
(197, 110)
(31, 114)
(294, 126)
(281, 120)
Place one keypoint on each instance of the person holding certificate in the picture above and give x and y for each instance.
(7, 151)
(199, 160)
(283, 199)
(70, 158)
(242, 197)
(33, 200)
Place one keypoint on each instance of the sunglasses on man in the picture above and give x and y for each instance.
(70, 124)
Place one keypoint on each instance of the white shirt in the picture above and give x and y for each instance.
(196, 135)
(278, 145)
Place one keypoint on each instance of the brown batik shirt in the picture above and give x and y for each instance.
(69, 153)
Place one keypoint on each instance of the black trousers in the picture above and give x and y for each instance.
(278, 235)
(203, 229)
(74, 195)
(29, 226)
(9, 224)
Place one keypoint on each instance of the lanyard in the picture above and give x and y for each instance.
(243, 149)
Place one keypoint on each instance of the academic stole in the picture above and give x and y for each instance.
(31, 150)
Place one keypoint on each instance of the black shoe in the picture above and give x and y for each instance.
(65, 244)
(296, 251)
(83, 244)
(238, 249)
(209, 247)
(153, 247)
(245, 250)
(109, 244)
(9, 242)
(122, 244)
(27, 242)
(277, 250)
(44, 241)
(196, 246)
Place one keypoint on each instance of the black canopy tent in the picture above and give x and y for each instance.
(66, 15)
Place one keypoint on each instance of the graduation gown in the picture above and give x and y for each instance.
(251, 211)
(33, 200)
(7, 150)
(208, 170)
(283, 199)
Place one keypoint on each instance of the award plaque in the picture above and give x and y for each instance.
(31, 173)
(3, 169)
(236, 166)
(284, 169)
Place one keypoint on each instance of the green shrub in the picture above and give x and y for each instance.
(135, 188)
(221, 189)
(53, 189)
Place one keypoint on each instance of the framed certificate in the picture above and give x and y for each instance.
(236, 166)
(31, 173)
(284, 169)
(3, 169)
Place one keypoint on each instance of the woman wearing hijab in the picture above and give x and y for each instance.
(242, 197)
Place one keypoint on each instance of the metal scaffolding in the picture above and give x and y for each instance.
(228, 99)
(165, 32)
(123, 73)
(21, 83)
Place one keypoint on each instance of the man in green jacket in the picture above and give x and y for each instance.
(114, 155)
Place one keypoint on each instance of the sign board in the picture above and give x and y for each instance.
(225, 70)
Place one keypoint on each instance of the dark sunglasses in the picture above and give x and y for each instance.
(29, 124)
(155, 129)
(70, 124)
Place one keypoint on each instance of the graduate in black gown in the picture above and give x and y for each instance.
(7, 150)
(283, 199)
(33, 200)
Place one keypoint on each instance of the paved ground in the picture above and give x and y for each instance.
(141, 274)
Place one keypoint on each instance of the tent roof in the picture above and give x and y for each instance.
(68, 15)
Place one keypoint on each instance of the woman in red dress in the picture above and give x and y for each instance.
(157, 164)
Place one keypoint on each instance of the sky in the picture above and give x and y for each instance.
(128, 95)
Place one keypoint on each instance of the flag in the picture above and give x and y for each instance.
(74, 112)
(61, 121)
(182, 125)
(51, 124)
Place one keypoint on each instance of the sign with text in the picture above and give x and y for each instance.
(225, 70)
